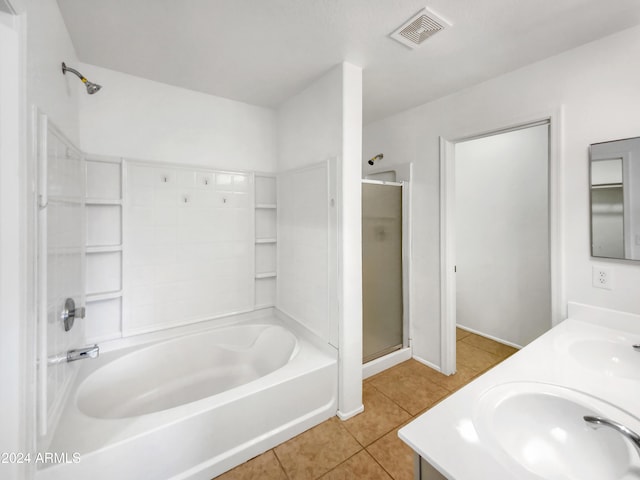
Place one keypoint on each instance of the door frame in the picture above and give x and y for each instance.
(447, 226)
(17, 315)
(406, 256)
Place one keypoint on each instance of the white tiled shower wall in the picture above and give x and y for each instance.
(175, 245)
(189, 246)
(303, 240)
(61, 234)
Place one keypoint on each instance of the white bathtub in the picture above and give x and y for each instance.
(194, 406)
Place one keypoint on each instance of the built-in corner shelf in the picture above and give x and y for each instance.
(266, 240)
(99, 297)
(102, 201)
(266, 275)
(263, 305)
(104, 248)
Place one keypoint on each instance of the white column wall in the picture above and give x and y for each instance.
(350, 400)
(323, 123)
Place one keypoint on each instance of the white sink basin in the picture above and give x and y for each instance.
(538, 431)
(614, 359)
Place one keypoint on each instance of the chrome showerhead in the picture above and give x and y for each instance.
(91, 87)
(380, 156)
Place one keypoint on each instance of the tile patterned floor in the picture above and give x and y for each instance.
(367, 446)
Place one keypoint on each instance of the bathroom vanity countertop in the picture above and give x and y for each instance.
(447, 437)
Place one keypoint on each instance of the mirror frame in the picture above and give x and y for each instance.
(590, 186)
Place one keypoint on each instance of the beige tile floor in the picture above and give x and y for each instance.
(367, 446)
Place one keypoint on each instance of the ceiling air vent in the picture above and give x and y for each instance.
(418, 28)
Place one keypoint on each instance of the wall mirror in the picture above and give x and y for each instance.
(615, 199)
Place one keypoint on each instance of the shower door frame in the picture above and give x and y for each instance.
(406, 261)
(447, 226)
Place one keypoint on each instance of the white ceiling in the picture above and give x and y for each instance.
(263, 51)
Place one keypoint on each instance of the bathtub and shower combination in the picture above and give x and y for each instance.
(197, 404)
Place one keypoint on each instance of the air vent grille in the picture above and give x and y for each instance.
(421, 29)
(418, 28)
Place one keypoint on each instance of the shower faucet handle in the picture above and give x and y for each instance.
(70, 312)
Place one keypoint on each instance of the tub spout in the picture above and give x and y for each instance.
(86, 352)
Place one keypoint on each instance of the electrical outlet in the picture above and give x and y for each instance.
(602, 277)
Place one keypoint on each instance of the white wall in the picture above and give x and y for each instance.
(48, 45)
(323, 123)
(310, 123)
(12, 329)
(136, 118)
(598, 85)
(502, 235)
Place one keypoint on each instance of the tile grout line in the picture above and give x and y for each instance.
(344, 461)
(355, 439)
(391, 400)
(381, 466)
(280, 463)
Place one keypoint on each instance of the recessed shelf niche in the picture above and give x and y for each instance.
(103, 279)
(266, 240)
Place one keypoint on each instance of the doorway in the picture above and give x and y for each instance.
(499, 236)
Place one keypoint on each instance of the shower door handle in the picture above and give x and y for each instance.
(70, 312)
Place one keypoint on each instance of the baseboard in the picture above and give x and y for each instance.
(346, 416)
(427, 363)
(491, 337)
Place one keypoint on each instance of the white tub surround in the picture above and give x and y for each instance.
(587, 359)
(188, 245)
(195, 406)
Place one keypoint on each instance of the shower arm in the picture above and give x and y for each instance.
(66, 69)
(91, 87)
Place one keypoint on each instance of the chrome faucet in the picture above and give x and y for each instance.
(597, 422)
(86, 352)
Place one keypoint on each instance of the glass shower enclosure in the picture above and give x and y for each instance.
(382, 294)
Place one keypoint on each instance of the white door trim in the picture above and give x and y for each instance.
(447, 228)
(17, 366)
(447, 258)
